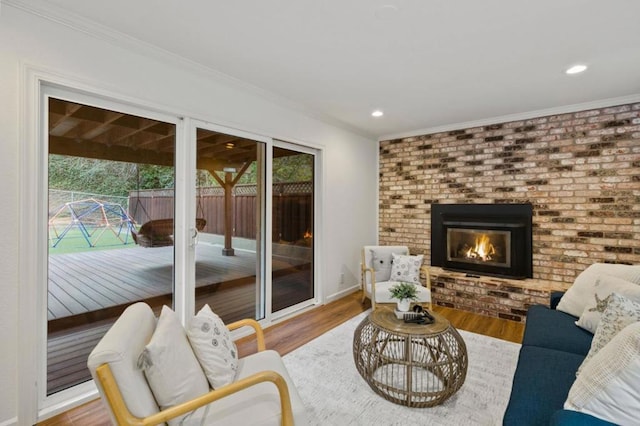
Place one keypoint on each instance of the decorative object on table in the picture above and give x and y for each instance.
(405, 293)
(378, 264)
(417, 315)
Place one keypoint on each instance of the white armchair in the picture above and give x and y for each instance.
(377, 264)
(261, 394)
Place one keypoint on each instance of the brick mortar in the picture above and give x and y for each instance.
(580, 171)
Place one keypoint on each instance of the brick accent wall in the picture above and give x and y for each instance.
(580, 171)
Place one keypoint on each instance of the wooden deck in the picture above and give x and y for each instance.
(88, 291)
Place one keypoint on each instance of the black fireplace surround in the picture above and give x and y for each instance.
(483, 239)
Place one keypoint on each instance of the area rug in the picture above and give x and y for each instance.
(335, 395)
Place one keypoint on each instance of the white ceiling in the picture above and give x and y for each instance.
(426, 63)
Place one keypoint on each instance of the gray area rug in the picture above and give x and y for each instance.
(334, 393)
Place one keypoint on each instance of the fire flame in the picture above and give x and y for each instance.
(307, 235)
(483, 249)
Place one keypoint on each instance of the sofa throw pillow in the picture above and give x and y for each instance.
(603, 287)
(381, 260)
(581, 292)
(211, 342)
(172, 370)
(406, 268)
(619, 313)
(608, 386)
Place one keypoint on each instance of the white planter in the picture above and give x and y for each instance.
(403, 305)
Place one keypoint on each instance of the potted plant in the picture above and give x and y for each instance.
(405, 293)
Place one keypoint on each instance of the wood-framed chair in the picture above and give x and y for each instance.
(130, 401)
(376, 278)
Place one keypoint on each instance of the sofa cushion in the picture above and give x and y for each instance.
(541, 383)
(581, 292)
(548, 328)
(608, 386)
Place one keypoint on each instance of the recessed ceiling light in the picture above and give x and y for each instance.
(377, 113)
(576, 69)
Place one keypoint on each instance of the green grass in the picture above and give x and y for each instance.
(74, 242)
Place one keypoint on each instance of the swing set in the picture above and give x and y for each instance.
(92, 218)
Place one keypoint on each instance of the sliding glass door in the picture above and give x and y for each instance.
(293, 226)
(229, 217)
(170, 211)
(110, 227)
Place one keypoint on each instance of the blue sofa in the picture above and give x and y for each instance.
(553, 348)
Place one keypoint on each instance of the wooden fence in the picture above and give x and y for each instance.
(292, 209)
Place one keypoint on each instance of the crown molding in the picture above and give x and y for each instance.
(44, 10)
(603, 103)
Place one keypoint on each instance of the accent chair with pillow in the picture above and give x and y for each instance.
(385, 266)
(152, 371)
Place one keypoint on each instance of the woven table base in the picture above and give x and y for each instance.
(410, 364)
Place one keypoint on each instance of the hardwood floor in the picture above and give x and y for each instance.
(295, 332)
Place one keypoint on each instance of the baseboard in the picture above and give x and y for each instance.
(10, 422)
(343, 293)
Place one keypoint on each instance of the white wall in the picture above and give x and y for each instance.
(350, 160)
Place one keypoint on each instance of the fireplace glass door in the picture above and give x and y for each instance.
(479, 246)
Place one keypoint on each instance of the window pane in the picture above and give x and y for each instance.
(229, 200)
(111, 209)
(293, 253)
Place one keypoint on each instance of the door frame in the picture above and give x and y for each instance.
(317, 225)
(38, 86)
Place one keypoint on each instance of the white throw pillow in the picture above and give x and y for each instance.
(172, 370)
(609, 385)
(406, 268)
(603, 287)
(211, 342)
(381, 260)
(581, 292)
(620, 313)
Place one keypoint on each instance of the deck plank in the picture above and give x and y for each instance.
(85, 287)
(92, 280)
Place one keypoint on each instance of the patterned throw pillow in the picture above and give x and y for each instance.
(602, 290)
(212, 344)
(620, 313)
(406, 268)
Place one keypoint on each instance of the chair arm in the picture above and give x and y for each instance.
(256, 327)
(373, 284)
(425, 270)
(124, 416)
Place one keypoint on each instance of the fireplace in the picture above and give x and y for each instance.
(485, 239)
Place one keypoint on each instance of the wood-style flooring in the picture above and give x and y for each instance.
(295, 332)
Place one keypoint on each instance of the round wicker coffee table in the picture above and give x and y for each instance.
(410, 364)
